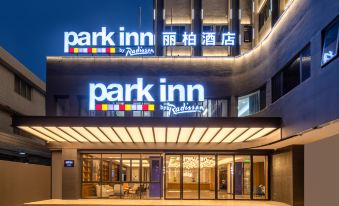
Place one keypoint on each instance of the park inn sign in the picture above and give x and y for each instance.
(132, 43)
(132, 97)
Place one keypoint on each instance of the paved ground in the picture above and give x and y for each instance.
(110, 202)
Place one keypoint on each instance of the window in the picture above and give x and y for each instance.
(249, 104)
(264, 14)
(22, 88)
(218, 29)
(62, 106)
(178, 29)
(330, 42)
(292, 75)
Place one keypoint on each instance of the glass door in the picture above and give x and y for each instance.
(190, 176)
(173, 179)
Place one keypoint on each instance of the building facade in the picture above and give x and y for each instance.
(197, 122)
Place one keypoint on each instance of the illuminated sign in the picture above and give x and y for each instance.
(134, 43)
(184, 108)
(111, 97)
(68, 163)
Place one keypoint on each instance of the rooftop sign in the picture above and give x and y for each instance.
(134, 43)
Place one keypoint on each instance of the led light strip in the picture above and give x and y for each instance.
(92, 50)
(124, 107)
(147, 134)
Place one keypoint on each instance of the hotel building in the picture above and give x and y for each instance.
(270, 102)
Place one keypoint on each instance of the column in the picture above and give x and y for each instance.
(235, 26)
(197, 25)
(158, 26)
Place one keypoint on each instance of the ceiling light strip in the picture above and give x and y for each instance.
(165, 134)
(253, 135)
(62, 134)
(89, 131)
(264, 132)
(203, 135)
(36, 133)
(129, 134)
(85, 133)
(117, 134)
(105, 134)
(190, 135)
(178, 135)
(68, 139)
(239, 135)
(142, 136)
(228, 134)
(64, 129)
(215, 135)
(155, 141)
(49, 134)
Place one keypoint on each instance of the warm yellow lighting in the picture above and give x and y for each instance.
(135, 134)
(121, 131)
(222, 134)
(73, 133)
(234, 134)
(61, 134)
(38, 134)
(108, 131)
(261, 133)
(98, 134)
(211, 132)
(49, 134)
(147, 133)
(83, 132)
(197, 134)
(185, 133)
(172, 134)
(160, 134)
(247, 134)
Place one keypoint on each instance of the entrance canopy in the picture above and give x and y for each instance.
(148, 130)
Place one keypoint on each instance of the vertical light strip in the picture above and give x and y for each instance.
(122, 133)
(247, 134)
(73, 134)
(95, 131)
(185, 134)
(36, 133)
(160, 134)
(147, 133)
(108, 131)
(61, 134)
(262, 133)
(210, 133)
(83, 132)
(172, 134)
(49, 134)
(135, 134)
(222, 134)
(197, 134)
(236, 133)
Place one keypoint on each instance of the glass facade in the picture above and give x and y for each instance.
(121, 176)
(330, 42)
(249, 104)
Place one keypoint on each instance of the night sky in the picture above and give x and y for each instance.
(32, 30)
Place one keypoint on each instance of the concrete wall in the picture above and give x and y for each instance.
(322, 172)
(20, 183)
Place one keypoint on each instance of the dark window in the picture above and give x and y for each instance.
(277, 86)
(264, 14)
(293, 74)
(305, 63)
(330, 42)
(248, 33)
(23, 88)
(62, 106)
